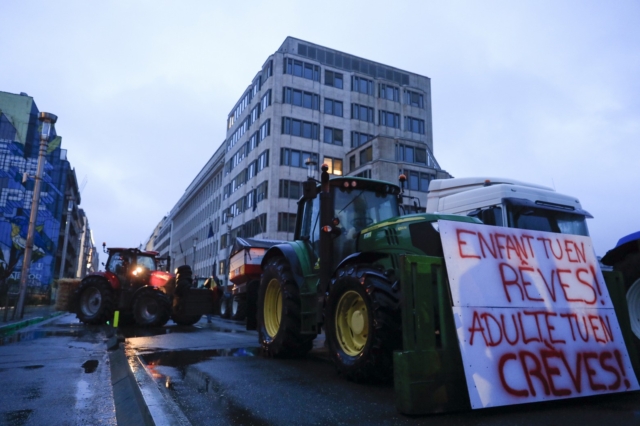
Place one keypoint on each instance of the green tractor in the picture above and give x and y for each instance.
(342, 274)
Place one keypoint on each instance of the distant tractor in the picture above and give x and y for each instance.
(133, 285)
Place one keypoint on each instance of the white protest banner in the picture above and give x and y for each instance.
(533, 316)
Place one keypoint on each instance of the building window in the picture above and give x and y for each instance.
(304, 129)
(352, 163)
(332, 107)
(290, 189)
(265, 101)
(265, 130)
(333, 136)
(389, 119)
(295, 158)
(300, 98)
(418, 181)
(286, 222)
(333, 79)
(414, 125)
(255, 226)
(388, 92)
(263, 161)
(361, 85)
(358, 139)
(335, 165)
(262, 191)
(366, 156)
(364, 174)
(301, 69)
(267, 71)
(413, 98)
(411, 154)
(362, 112)
(255, 114)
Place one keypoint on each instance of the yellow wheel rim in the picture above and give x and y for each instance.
(352, 323)
(273, 308)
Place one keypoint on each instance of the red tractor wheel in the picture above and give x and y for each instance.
(151, 308)
(95, 301)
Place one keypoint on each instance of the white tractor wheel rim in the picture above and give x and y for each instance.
(633, 304)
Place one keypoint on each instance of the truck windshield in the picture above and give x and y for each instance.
(538, 219)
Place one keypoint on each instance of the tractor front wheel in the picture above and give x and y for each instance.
(279, 312)
(95, 301)
(151, 308)
(363, 325)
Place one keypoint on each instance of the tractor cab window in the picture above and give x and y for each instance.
(116, 263)
(357, 209)
(119, 263)
(311, 223)
(147, 262)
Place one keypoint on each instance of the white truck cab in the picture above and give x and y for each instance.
(508, 202)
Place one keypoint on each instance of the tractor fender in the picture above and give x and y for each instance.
(362, 257)
(288, 252)
(111, 278)
(146, 288)
(368, 258)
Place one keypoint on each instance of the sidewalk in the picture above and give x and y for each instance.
(33, 314)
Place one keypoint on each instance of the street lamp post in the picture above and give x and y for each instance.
(48, 120)
(195, 243)
(66, 237)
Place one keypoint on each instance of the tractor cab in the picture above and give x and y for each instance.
(132, 266)
(352, 204)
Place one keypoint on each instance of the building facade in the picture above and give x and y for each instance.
(308, 102)
(19, 145)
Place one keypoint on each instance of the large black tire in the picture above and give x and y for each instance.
(225, 307)
(95, 301)
(151, 308)
(363, 324)
(238, 307)
(279, 312)
(182, 319)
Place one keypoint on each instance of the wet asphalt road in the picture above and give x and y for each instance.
(56, 373)
(215, 376)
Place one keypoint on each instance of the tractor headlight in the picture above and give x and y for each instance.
(137, 271)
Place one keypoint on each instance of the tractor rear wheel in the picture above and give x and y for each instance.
(363, 324)
(225, 309)
(95, 301)
(151, 308)
(238, 308)
(279, 312)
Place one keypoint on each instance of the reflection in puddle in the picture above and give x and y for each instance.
(185, 358)
(130, 332)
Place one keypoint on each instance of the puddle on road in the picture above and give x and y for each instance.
(130, 332)
(180, 359)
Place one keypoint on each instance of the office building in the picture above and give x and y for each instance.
(359, 117)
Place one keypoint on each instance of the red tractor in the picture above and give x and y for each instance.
(133, 285)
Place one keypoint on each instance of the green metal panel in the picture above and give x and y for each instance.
(428, 373)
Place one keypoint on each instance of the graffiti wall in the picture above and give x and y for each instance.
(19, 140)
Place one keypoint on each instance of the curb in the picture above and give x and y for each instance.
(6, 329)
(138, 398)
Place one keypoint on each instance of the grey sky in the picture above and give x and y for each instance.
(539, 91)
